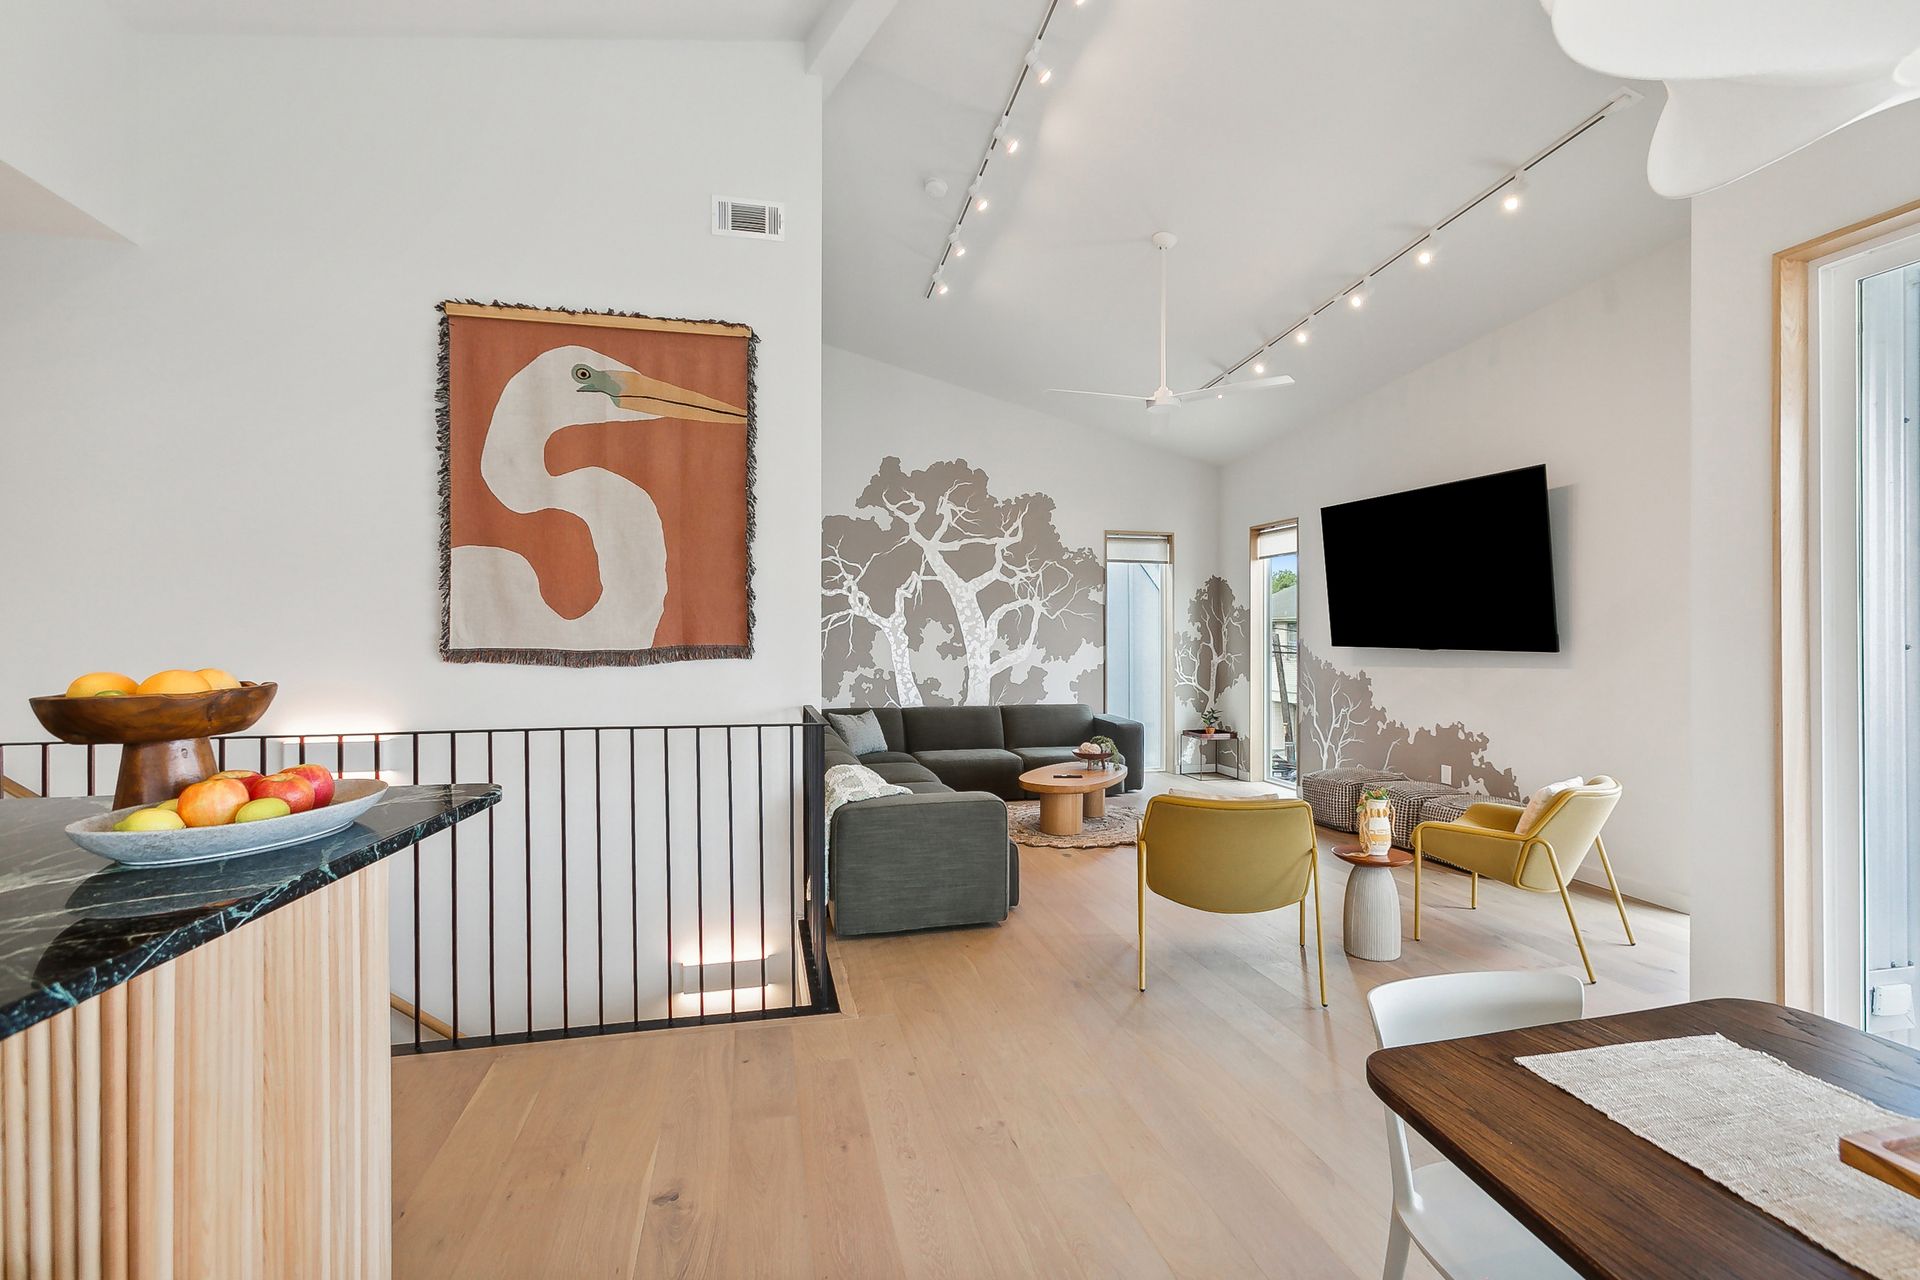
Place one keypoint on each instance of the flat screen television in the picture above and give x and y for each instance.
(1466, 565)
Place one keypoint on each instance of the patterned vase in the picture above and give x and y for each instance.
(1376, 827)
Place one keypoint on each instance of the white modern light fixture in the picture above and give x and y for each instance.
(1032, 70)
(1259, 367)
(1749, 82)
(1509, 192)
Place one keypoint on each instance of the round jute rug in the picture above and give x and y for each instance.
(1121, 825)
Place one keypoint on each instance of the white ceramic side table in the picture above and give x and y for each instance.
(1370, 927)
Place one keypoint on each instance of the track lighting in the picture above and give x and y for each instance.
(1514, 193)
(954, 246)
(1357, 296)
(940, 288)
(1303, 334)
(1041, 71)
(981, 204)
(1424, 254)
(1259, 368)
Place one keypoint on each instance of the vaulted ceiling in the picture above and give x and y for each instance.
(1291, 144)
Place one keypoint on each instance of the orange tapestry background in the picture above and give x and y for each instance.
(695, 472)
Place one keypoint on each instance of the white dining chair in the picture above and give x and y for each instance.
(1457, 1225)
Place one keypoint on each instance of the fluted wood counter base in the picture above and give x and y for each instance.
(225, 1114)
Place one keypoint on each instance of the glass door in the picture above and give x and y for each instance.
(1139, 622)
(1887, 397)
(1276, 550)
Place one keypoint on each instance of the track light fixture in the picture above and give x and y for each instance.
(1509, 193)
(1032, 70)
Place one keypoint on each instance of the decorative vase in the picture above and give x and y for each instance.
(1376, 826)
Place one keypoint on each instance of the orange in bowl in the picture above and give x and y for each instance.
(217, 679)
(174, 681)
(95, 683)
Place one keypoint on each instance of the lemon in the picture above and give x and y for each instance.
(95, 683)
(150, 820)
(174, 681)
(262, 809)
(171, 806)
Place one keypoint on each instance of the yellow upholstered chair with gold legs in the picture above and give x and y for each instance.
(1487, 840)
(1232, 856)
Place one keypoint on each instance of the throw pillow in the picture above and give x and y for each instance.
(862, 733)
(1537, 802)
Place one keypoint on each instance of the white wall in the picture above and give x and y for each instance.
(67, 111)
(219, 445)
(1098, 482)
(1595, 386)
(1855, 174)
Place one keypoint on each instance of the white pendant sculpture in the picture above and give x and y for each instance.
(1748, 82)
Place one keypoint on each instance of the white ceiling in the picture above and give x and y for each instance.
(1291, 144)
(641, 19)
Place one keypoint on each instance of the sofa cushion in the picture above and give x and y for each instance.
(1047, 724)
(859, 730)
(904, 773)
(889, 718)
(952, 729)
(927, 788)
(1034, 757)
(978, 769)
(888, 757)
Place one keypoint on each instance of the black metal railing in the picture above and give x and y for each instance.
(632, 877)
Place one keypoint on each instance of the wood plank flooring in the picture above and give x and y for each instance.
(995, 1102)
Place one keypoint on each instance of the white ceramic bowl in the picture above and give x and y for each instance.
(351, 798)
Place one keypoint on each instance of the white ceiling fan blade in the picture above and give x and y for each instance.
(1107, 395)
(1278, 380)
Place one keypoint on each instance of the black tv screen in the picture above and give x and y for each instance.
(1467, 565)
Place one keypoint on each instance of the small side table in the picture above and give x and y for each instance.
(1371, 923)
(1204, 739)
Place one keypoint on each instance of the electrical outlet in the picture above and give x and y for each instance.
(1446, 774)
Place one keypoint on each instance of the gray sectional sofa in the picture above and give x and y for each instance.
(940, 856)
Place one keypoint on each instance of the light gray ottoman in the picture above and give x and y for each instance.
(1335, 793)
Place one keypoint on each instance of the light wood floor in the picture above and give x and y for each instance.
(995, 1102)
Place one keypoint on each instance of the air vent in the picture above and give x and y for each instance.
(758, 219)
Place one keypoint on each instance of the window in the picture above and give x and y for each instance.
(1276, 559)
(1139, 621)
(1865, 528)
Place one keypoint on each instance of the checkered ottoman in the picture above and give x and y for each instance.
(1408, 799)
(1335, 793)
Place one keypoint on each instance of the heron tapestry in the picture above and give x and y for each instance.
(596, 487)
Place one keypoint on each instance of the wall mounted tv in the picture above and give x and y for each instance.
(1467, 565)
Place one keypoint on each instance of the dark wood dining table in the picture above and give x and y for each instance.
(1612, 1204)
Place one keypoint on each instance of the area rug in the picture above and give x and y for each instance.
(1121, 825)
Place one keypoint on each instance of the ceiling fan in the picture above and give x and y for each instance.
(1164, 399)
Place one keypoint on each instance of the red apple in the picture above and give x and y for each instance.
(322, 782)
(244, 777)
(291, 787)
(212, 803)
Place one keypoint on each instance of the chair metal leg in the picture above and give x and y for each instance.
(1140, 856)
(1567, 902)
(1397, 1242)
(1418, 859)
(1303, 922)
(1319, 948)
(1618, 901)
(1474, 901)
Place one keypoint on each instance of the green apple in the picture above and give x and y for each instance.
(150, 820)
(262, 809)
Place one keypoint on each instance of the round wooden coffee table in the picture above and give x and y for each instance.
(1370, 927)
(1070, 793)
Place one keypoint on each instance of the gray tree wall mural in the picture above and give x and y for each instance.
(1211, 653)
(936, 591)
(1343, 726)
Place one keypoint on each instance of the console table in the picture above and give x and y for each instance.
(194, 1059)
(1205, 738)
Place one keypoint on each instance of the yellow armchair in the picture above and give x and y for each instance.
(1231, 856)
(1487, 840)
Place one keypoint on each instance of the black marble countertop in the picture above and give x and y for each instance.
(73, 924)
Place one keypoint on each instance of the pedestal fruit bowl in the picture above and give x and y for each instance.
(163, 736)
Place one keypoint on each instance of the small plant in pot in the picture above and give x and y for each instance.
(1210, 720)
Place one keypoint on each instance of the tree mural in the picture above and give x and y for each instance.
(935, 590)
(1211, 654)
(1344, 727)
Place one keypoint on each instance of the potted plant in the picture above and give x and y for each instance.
(1210, 720)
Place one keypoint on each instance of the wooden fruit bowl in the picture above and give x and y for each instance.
(1094, 759)
(164, 734)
